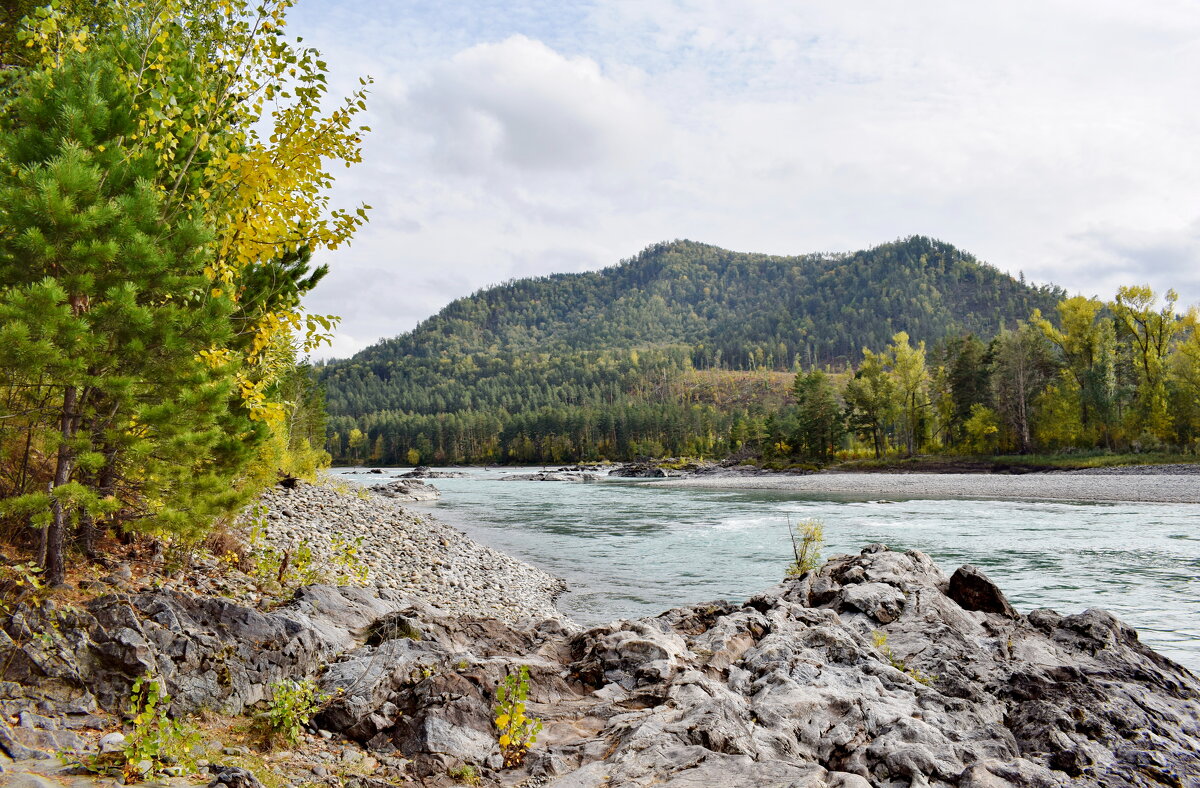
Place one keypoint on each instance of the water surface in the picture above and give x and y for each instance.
(629, 550)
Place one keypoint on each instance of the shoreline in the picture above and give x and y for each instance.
(1079, 487)
(412, 552)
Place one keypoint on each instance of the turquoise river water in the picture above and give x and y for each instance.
(629, 550)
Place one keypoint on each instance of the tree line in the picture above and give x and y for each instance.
(164, 171)
(1120, 375)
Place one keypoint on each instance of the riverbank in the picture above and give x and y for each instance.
(876, 669)
(407, 550)
(1152, 484)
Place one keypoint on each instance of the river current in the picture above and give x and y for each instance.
(629, 550)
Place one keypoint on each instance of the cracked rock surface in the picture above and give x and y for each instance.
(866, 672)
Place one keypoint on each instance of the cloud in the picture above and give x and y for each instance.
(511, 139)
(519, 105)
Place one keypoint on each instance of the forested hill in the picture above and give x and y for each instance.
(565, 340)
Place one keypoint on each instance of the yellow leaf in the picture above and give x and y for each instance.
(502, 721)
(505, 740)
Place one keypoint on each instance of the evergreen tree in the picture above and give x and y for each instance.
(820, 417)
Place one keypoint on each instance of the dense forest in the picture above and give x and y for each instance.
(687, 349)
(164, 171)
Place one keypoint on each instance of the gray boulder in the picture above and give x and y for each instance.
(407, 490)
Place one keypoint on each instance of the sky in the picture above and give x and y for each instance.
(1056, 138)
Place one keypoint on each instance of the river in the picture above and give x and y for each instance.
(630, 550)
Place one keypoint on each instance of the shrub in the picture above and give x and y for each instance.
(156, 741)
(807, 551)
(292, 705)
(517, 731)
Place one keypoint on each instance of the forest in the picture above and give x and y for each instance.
(690, 350)
(164, 171)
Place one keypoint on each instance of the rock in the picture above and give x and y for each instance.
(790, 689)
(973, 590)
(406, 490)
(27, 780)
(112, 742)
(233, 777)
(550, 476)
(640, 470)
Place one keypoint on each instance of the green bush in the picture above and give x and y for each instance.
(517, 731)
(806, 551)
(292, 705)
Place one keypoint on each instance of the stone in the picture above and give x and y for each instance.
(973, 590)
(112, 742)
(407, 490)
(233, 777)
(27, 780)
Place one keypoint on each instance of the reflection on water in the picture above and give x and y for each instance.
(628, 550)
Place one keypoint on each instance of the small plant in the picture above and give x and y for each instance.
(466, 774)
(156, 740)
(348, 566)
(292, 705)
(16, 581)
(880, 639)
(517, 731)
(807, 551)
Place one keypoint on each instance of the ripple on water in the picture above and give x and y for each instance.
(629, 551)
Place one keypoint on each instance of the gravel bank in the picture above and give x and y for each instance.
(1116, 485)
(412, 552)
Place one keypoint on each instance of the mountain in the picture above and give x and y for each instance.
(520, 360)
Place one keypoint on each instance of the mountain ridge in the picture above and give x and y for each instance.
(605, 338)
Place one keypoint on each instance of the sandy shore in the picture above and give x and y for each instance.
(1150, 488)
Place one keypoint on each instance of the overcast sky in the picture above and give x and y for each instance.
(513, 139)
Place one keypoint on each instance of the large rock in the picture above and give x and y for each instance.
(207, 651)
(407, 490)
(863, 673)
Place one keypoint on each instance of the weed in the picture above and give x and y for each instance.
(16, 582)
(465, 774)
(807, 552)
(517, 731)
(156, 741)
(880, 639)
(292, 705)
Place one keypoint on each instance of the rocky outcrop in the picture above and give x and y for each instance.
(875, 670)
(864, 673)
(207, 651)
(423, 472)
(551, 476)
(641, 470)
(411, 490)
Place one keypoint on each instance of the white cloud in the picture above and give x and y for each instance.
(518, 105)
(1054, 137)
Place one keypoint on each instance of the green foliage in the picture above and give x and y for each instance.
(981, 430)
(516, 731)
(806, 552)
(292, 705)
(154, 247)
(156, 740)
(466, 774)
(604, 364)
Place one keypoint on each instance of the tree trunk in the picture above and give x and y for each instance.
(55, 563)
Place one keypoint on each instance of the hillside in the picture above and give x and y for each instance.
(609, 345)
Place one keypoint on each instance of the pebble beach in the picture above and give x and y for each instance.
(1145, 484)
(411, 552)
